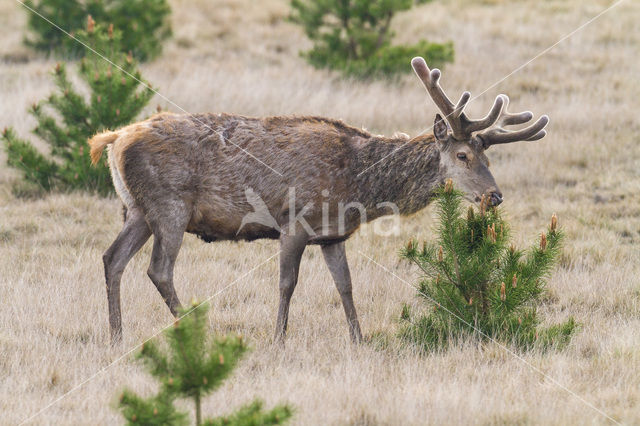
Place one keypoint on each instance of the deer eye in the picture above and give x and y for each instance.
(462, 156)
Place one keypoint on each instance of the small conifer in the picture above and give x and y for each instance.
(146, 24)
(354, 36)
(191, 365)
(67, 119)
(479, 284)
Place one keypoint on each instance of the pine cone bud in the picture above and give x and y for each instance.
(96, 76)
(134, 418)
(130, 57)
(58, 68)
(204, 380)
(176, 324)
(554, 222)
(503, 292)
(512, 249)
(410, 245)
(91, 24)
(155, 411)
(438, 279)
(491, 233)
(110, 31)
(470, 301)
(448, 186)
(117, 112)
(520, 321)
(514, 281)
(170, 381)
(440, 254)
(483, 205)
(470, 214)
(159, 108)
(221, 359)
(543, 241)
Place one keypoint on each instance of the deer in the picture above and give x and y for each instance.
(204, 173)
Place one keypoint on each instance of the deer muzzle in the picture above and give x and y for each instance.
(495, 198)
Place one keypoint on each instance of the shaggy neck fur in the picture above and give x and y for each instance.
(406, 177)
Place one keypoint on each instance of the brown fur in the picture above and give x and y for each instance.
(303, 180)
(99, 142)
(193, 173)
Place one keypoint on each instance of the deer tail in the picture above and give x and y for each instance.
(98, 144)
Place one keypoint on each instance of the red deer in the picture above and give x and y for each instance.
(204, 173)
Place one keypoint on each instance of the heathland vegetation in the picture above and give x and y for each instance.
(237, 57)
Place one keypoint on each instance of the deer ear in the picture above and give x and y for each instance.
(440, 128)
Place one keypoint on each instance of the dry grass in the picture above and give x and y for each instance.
(239, 57)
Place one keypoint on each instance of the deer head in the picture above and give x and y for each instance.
(462, 141)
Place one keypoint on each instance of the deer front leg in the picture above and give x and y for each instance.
(291, 249)
(336, 258)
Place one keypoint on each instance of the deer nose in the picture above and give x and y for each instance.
(496, 198)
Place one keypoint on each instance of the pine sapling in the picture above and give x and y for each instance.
(478, 283)
(66, 119)
(145, 22)
(191, 365)
(354, 36)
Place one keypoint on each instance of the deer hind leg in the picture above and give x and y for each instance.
(132, 237)
(336, 258)
(291, 249)
(167, 239)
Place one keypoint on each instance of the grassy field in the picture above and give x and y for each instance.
(239, 57)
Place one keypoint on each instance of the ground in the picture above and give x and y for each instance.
(235, 56)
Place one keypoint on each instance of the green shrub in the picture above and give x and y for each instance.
(191, 365)
(354, 36)
(66, 120)
(146, 23)
(477, 284)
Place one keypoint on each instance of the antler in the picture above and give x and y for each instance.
(499, 135)
(462, 127)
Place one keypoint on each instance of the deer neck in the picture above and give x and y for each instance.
(401, 171)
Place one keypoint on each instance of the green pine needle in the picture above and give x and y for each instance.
(475, 283)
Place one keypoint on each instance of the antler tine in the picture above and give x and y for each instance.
(461, 126)
(486, 122)
(430, 80)
(499, 135)
(508, 119)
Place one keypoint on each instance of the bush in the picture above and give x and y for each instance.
(477, 284)
(66, 120)
(146, 23)
(354, 37)
(192, 366)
